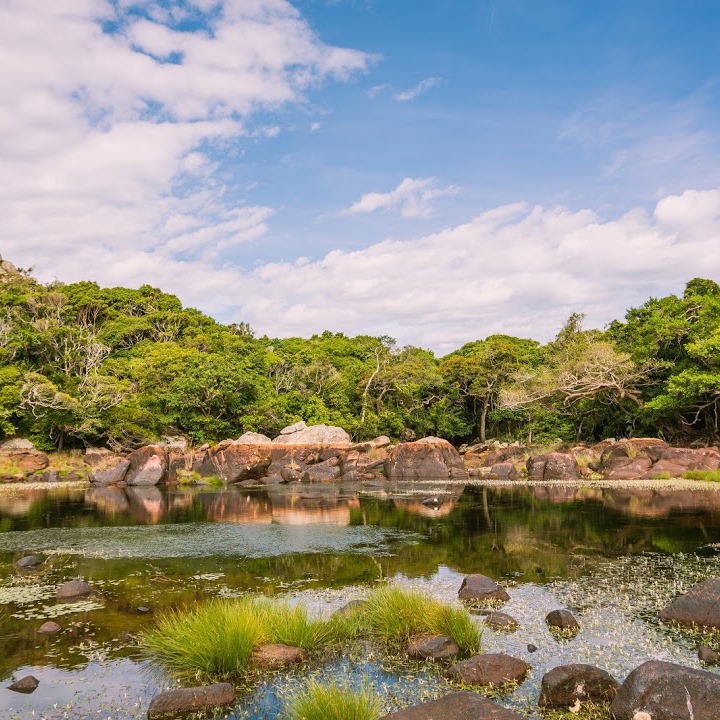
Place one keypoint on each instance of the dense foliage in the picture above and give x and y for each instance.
(84, 365)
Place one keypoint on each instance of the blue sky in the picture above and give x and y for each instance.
(435, 171)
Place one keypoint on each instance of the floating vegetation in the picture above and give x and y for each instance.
(47, 612)
(21, 593)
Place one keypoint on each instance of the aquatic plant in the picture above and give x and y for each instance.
(332, 702)
(215, 639)
(394, 615)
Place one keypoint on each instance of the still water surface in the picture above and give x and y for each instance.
(613, 555)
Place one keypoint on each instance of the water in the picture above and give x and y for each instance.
(614, 555)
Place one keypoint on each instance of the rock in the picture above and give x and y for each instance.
(73, 589)
(503, 471)
(148, 466)
(553, 466)
(313, 435)
(96, 456)
(501, 621)
(321, 473)
(293, 473)
(381, 441)
(456, 706)
(29, 562)
(22, 455)
(28, 684)
(481, 588)
(270, 480)
(234, 463)
(253, 438)
(563, 686)
(429, 458)
(143, 609)
(624, 468)
(51, 476)
(709, 656)
(16, 445)
(666, 691)
(296, 427)
(110, 471)
(532, 648)
(49, 628)
(277, 655)
(699, 606)
(434, 647)
(489, 669)
(184, 701)
(562, 620)
(174, 443)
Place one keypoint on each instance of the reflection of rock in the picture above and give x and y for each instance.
(148, 500)
(110, 500)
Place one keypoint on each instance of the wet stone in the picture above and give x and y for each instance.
(456, 706)
(432, 647)
(489, 669)
(184, 701)
(27, 685)
(49, 628)
(562, 620)
(29, 562)
(563, 686)
(479, 588)
(502, 621)
(73, 589)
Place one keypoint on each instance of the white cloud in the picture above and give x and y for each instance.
(108, 140)
(420, 89)
(412, 198)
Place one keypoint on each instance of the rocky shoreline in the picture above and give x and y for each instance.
(322, 454)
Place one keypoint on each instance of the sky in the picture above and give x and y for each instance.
(433, 171)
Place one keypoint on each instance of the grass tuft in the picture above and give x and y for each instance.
(330, 702)
(705, 475)
(393, 615)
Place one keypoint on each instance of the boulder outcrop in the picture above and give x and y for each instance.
(429, 458)
(148, 466)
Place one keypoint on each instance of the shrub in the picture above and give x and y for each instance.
(329, 702)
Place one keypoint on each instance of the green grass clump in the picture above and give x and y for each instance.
(706, 475)
(329, 702)
(394, 615)
(215, 639)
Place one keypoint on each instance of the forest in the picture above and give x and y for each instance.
(82, 365)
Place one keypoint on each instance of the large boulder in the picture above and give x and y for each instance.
(699, 606)
(665, 691)
(110, 471)
(480, 588)
(148, 466)
(321, 473)
(553, 466)
(489, 669)
(22, 455)
(456, 706)
(625, 468)
(429, 458)
(312, 435)
(563, 686)
(677, 461)
(184, 701)
(252, 438)
(234, 463)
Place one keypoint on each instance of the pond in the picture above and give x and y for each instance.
(614, 555)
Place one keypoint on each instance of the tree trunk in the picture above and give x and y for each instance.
(483, 418)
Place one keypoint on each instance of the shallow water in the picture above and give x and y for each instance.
(613, 555)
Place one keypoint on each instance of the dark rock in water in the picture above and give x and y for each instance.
(566, 684)
(28, 684)
(562, 620)
(709, 656)
(29, 562)
(481, 587)
(277, 655)
(73, 589)
(143, 609)
(49, 628)
(666, 691)
(184, 701)
(699, 606)
(489, 669)
(456, 706)
(432, 647)
(532, 648)
(501, 621)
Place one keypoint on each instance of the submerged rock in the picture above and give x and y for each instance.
(49, 628)
(456, 706)
(184, 701)
(432, 647)
(73, 589)
(563, 686)
(481, 588)
(699, 606)
(489, 669)
(666, 691)
(502, 621)
(27, 685)
(29, 562)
